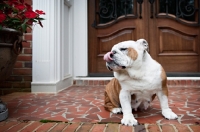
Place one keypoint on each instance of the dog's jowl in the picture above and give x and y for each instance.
(137, 80)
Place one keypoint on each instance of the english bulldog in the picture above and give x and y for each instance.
(137, 80)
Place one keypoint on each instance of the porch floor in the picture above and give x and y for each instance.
(80, 108)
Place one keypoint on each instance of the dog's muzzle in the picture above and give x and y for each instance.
(110, 62)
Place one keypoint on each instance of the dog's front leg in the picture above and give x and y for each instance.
(166, 111)
(125, 101)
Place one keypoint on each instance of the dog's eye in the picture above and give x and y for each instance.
(123, 49)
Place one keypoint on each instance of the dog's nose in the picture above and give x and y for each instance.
(114, 52)
(108, 57)
(111, 55)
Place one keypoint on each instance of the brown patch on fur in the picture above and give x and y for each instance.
(153, 97)
(112, 91)
(111, 99)
(132, 53)
(164, 82)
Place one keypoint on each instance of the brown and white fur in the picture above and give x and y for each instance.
(137, 79)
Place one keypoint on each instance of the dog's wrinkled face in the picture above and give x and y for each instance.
(125, 54)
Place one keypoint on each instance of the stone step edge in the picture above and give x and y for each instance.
(171, 81)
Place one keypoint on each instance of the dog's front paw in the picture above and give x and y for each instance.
(129, 120)
(169, 114)
(116, 110)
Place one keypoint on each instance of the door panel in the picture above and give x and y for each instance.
(173, 42)
(170, 27)
(177, 35)
(179, 63)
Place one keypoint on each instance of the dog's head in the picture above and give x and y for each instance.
(126, 54)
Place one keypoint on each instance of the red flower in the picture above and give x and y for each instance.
(30, 14)
(19, 15)
(2, 17)
(22, 1)
(12, 2)
(40, 12)
(20, 7)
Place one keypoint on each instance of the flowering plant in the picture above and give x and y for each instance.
(17, 14)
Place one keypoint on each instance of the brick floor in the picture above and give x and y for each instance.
(94, 127)
(80, 108)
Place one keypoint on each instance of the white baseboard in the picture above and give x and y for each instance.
(51, 87)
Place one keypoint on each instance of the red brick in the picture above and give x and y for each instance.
(86, 127)
(27, 51)
(153, 128)
(18, 64)
(98, 128)
(139, 128)
(5, 85)
(112, 128)
(15, 78)
(22, 85)
(124, 128)
(8, 125)
(85, 82)
(176, 82)
(168, 82)
(71, 127)
(167, 128)
(196, 83)
(195, 128)
(18, 127)
(8, 91)
(32, 127)
(45, 127)
(95, 82)
(90, 82)
(29, 30)
(28, 37)
(59, 127)
(106, 82)
(188, 82)
(24, 58)
(27, 78)
(26, 45)
(28, 64)
(22, 72)
(182, 128)
(25, 89)
(183, 82)
(101, 82)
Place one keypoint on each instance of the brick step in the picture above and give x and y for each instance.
(171, 81)
(23, 126)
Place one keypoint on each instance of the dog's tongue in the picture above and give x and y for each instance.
(107, 57)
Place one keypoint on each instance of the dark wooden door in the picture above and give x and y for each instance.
(171, 28)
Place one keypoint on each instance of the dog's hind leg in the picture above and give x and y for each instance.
(111, 96)
(111, 106)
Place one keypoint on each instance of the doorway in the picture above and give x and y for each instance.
(171, 28)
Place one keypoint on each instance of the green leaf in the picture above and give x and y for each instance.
(40, 19)
(24, 26)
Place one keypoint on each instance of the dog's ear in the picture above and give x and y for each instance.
(144, 43)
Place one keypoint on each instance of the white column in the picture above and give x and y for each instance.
(80, 38)
(52, 47)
